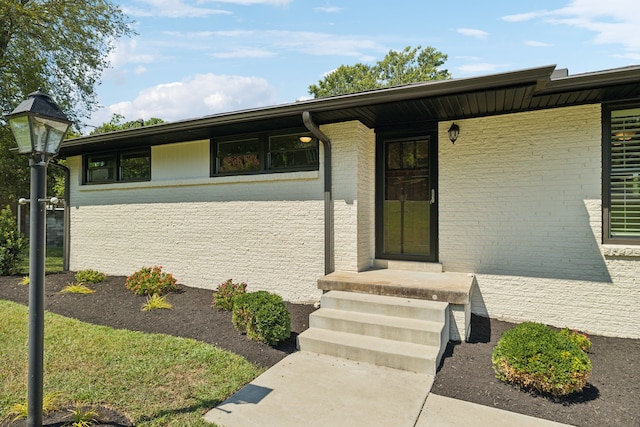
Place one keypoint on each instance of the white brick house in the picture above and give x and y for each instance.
(536, 198)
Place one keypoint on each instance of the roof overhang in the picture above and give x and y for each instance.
(503, 93)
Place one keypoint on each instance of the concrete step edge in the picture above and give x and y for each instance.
(380, 320)
(381, 304)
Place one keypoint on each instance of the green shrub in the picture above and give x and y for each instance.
(578, 338)
(90, 276)
(12, 243)
(539, 358)
(263, 316)
(226, 293)
(151, 280)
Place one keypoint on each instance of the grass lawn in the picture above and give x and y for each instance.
(53, 261)
(157, 380)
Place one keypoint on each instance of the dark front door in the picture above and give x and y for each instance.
(407, 198)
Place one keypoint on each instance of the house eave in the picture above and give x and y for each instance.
(500, 93)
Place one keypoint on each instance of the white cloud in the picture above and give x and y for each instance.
(250, 2)
(479, 34)
(127, 51)
(537, 43)
(171, 9)
(327, 9)
(201, 95)
(521, 17)
(245, 53)
(140, 69)
(613, 21)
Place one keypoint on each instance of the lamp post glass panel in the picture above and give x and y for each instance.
(39, 127)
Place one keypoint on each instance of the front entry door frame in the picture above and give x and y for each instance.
(384, 138)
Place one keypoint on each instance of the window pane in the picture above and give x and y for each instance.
(299, 151)
(101, 168)
(136, 166)
(625, 173)
(239, 156)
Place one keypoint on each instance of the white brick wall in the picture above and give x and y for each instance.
(520, 207)
(353, 194)
(266, 230)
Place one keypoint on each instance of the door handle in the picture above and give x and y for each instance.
(433, 196)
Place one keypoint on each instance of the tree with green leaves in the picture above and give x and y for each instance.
(60, 46)
(411, 65)
(118, 122)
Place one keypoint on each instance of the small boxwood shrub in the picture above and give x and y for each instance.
(539, 358)
(150, 281)
(226, 293)
(90, 276)
(263, 316)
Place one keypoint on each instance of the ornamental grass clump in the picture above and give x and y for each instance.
(226, 293)
(536, 357)
(150, 281)
(263, 316)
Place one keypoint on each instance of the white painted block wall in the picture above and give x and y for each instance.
(267, 230)
(520, 207)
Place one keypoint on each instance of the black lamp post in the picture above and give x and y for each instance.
(39, 127)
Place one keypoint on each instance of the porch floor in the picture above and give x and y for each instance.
(454, 288)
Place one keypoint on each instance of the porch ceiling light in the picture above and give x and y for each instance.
(454, 132)
(305, 139)
(38, 125)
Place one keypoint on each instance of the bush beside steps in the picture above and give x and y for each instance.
(537, 357)
(263, 316)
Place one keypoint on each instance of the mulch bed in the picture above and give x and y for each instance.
(610, 399)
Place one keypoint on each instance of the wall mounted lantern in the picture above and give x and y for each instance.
(39, 126)
(454, 132)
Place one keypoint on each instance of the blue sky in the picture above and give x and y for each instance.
(192, 58)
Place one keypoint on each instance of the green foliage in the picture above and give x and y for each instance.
(150, 281)
(226, 293)
(12, 243)
(118, 122)
(83, 416)
(50, 403)
(396, 68)
(90, 276)
(77, 288)
(537, 357)
(263, 316)
(24, 281)
(81, 33)
(155, 302)
(578, 338)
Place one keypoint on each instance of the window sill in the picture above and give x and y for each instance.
(217, 180)
(620, 251)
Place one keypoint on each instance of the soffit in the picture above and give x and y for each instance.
(504, 93)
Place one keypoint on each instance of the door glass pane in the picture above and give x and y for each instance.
(407, 198)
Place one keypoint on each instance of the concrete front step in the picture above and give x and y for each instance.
(395, 332)
(385, 305)
(395, 328)
(377, 351)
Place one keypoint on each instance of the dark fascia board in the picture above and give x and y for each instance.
(577, 82)
(538, 76)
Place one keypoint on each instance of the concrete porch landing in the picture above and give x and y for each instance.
(452, 288)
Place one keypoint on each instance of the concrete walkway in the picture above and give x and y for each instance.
(309, 389)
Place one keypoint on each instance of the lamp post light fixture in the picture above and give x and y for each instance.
(38, 126)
